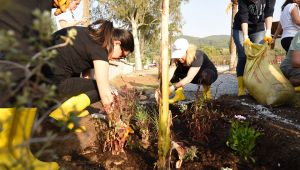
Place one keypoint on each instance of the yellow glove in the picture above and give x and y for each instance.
(268, 37)
(247, 42)
(61, 6)
(297, 89)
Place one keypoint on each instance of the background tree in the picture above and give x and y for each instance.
(232, 48)
(143, 17)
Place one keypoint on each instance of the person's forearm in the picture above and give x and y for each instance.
(245, 29)
(189, 77)
(182, 82)
(101, 76)
(104, 90)
(69, 24)
(268, 23)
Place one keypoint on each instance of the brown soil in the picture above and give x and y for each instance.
(278, 147)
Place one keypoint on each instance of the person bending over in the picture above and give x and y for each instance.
(290, 66)
(93, 47)
(190, 66)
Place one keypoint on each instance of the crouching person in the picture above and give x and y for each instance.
(290, 66)
(190, 65)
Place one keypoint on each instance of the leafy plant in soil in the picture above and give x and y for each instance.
(199, 119)
(142, 122)
(242, 138)
(119, 129)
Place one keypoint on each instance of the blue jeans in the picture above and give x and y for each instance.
(238, 38)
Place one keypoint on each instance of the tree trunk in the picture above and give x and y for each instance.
(142, 46)
(232, 48)
(137, 53)
(86, 11)
(164, 118)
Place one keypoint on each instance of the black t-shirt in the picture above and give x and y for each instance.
(254, 13)
(201, 61)
(74, 59)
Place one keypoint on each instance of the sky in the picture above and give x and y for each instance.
(203, 18)
(208, 17)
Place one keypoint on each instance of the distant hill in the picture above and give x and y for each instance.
(218, 41)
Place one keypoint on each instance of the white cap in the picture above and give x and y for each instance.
(179, 48)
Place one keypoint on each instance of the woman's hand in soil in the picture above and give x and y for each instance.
(109, 110)
(114, 91)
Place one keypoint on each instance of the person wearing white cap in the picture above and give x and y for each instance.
(191, 66)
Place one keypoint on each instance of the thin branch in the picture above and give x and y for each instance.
(68, 40)
(28, 73)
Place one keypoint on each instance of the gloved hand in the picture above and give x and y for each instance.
(157, 93)
(247, 40)
(268, 37)
(61, 6)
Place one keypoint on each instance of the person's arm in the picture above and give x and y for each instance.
(295, 15)
(269, 10)
(190, 76)
(101, 75)
(64, 23)
(277, 32)
(244, 17)
(268, 23)
(245, 30)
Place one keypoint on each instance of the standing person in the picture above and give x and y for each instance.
(93, 47)
(192, 66)
(289, 23)
(252, 23)
(67, 19)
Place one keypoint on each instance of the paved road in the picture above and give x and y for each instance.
(225, 84)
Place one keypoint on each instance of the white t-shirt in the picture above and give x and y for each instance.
(66, 16)
(288, 26)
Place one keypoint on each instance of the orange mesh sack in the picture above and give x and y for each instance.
(263, 77)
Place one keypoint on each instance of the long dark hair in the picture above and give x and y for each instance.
(286, 3)
(104, 33)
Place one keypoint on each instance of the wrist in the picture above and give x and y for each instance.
(246, 37)
(268, 32)
(172, 88)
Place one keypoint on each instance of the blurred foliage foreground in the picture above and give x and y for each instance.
(23, 87)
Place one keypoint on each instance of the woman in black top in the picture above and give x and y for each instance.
(192, 66)
(252, 23)
(93, 47)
